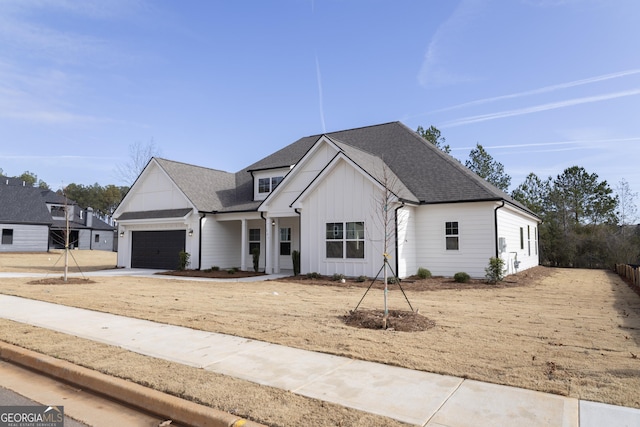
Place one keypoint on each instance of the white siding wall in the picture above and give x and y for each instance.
(476, 238)
(510, 221)
(407, 243)
(105, 240)
(221, 242)
(345, 195)
(154, 191)
(26, 238)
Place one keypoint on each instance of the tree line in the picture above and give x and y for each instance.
(585, 223)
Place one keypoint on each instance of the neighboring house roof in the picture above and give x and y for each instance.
(23, 205)
(425, 173)
(164, 213)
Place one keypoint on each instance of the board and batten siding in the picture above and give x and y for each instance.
(27, 238)
(221, 242)
(510, 222)
(344, 195)
(407, 243)
(476, 238)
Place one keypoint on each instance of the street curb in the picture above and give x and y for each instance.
(178, 410)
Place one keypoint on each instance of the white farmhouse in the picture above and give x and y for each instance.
(323, 196)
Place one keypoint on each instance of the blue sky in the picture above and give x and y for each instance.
(542, 84)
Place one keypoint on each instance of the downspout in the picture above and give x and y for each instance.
(297, 210)
(396, 237)
(495, 225)
(253, 186)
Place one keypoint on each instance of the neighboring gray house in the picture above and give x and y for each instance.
(320, 195)
(33, 219)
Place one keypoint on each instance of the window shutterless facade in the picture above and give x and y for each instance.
(7, 236)
(345, 240)
(285, 241)
(254, 239)
(451, 236)
(267, 185)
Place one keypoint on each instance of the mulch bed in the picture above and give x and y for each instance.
(397, 320)
(61, 281)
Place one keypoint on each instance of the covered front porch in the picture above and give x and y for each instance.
(234, 237)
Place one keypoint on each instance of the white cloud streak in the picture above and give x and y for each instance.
(539, 108)
(545, 89)
(320, 101)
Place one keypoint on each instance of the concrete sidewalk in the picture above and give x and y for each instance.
(414, 397)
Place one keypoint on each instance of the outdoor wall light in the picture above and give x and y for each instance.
(122, 234)
(273, 222)
(190, 232)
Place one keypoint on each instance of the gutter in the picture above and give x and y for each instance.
(495, 226)
(203, 215)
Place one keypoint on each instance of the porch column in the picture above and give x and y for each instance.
(276, 249)
(243, 246)
(268, 245)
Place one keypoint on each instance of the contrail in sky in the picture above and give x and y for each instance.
(538, 108)
(319, 78)
(542, 90)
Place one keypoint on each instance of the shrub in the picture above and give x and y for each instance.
(337, 277)
(495, 270)
(313, 275)
(295, 257)
(215, 268)
(255, 253)
(232, 270)
(362, 279)
(183, 260)
(461, 277)
(391, 280)
(424, 273)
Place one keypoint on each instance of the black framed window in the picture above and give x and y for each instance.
(7, 236)
(254, 239)
(451, 232)
(285, 241)
(345, 240)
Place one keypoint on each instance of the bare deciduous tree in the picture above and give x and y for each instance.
(139, 156)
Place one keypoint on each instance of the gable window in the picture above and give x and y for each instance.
(285, 241)
(267, 185)
(451, 235)
(57, 211)
(7, 236)
(97, 238)
(254, 240)
(345, 240)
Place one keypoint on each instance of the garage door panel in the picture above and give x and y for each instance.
(157, 249)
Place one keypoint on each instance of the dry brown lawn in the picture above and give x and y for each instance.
(566, 331)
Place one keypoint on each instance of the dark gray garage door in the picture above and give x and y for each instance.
(156, 249)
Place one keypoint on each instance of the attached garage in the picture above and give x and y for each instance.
(157, 249)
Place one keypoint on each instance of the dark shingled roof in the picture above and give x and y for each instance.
(428, 175)
(164, 213)
(23, 205)
(209, 190)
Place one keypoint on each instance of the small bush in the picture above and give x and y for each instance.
(362, 279)
(461, 277)
(424, 273)
(313, 275)
(295, 257)
(215, 268)
(256, 259)
(337, 277)
(495, 270)
(392, 280)
(183, 260)
(232, 270)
